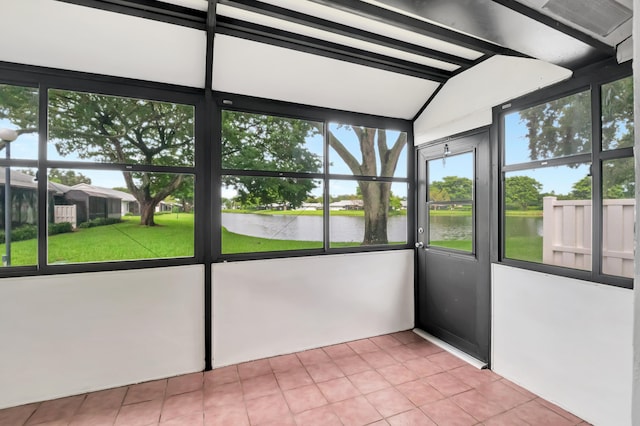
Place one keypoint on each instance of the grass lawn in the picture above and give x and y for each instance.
(239, 243)
(518, 248)
(524, 248)
(173, 237)
(464, 245)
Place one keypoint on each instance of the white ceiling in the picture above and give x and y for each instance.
(251, 68)
(66, 36)
(46, 33)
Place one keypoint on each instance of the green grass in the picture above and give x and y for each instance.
(524, 213)
(238, 243)
(449, 213)
(524, 248)
(173, 237)
(464, 245)
(518, 248)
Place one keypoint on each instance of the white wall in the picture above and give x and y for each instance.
(270, 307)
(466, 100)
(68, 334)
(568, 341)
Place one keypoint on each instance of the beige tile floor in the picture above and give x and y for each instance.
(395, 379)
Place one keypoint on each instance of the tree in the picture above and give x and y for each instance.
(559, 128)
(262, 142)
(68, 177)
(19, 105)
(114, 130)
(581, 190)
(522, 191)
(455, 187)
(563, 127)
(375, 194)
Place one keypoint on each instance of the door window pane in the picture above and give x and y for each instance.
(20, 187)
(112, 129)
(261, 214)
(617, 114)
(367, 151)
(101, 216)
(548, 216)
(366, 213)
(271, 143)
(551, 130)
(618, 218)
(450, 201)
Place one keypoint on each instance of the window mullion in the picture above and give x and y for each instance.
(596, 182)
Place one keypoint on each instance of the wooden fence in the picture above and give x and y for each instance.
(567, 234)
(65, 214)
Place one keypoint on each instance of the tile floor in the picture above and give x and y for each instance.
(395, 379)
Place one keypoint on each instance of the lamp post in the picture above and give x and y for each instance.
(7, 136)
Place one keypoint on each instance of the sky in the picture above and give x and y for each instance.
(26, 147)
(338, 166)
(553, 179)
(556, 179)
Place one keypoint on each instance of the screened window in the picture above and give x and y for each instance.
(270, 143)
(278, 194)
(18, 186)
(356, 219)
(136, 205)
(617, 114)
(554, 129)
(94, 217)
(450, 202)
(113, 129)
(565, 203)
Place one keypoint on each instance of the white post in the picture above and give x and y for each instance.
(635, 395)
(548, 230)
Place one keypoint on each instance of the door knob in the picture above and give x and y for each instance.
(419, 244)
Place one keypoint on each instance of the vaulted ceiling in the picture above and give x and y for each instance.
(384, 57)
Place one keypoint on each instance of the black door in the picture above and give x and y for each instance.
(453, 291)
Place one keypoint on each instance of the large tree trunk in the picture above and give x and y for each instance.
(147, 210)
(375, 198)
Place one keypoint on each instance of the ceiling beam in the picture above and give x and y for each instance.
(419, 26)
(273, 36)
(345, 30)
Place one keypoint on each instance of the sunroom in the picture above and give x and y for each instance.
(431, 204)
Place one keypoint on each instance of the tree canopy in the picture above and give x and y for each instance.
(68, 177)
(268, 143)
(522, 191)
(114, 130)
(451, 188)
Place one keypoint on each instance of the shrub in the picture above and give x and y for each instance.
(60, 228)
(21, 233)
(100, 221)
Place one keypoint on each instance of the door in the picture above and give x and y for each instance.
(453, 288)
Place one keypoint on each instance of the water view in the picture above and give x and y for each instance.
(351, 228)
(308, 228)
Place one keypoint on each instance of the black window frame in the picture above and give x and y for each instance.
(590, 79)
(44, 79)
(207, 169)
(254, 105)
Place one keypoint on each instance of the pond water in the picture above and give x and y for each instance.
(351, 229)
(308, 228)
